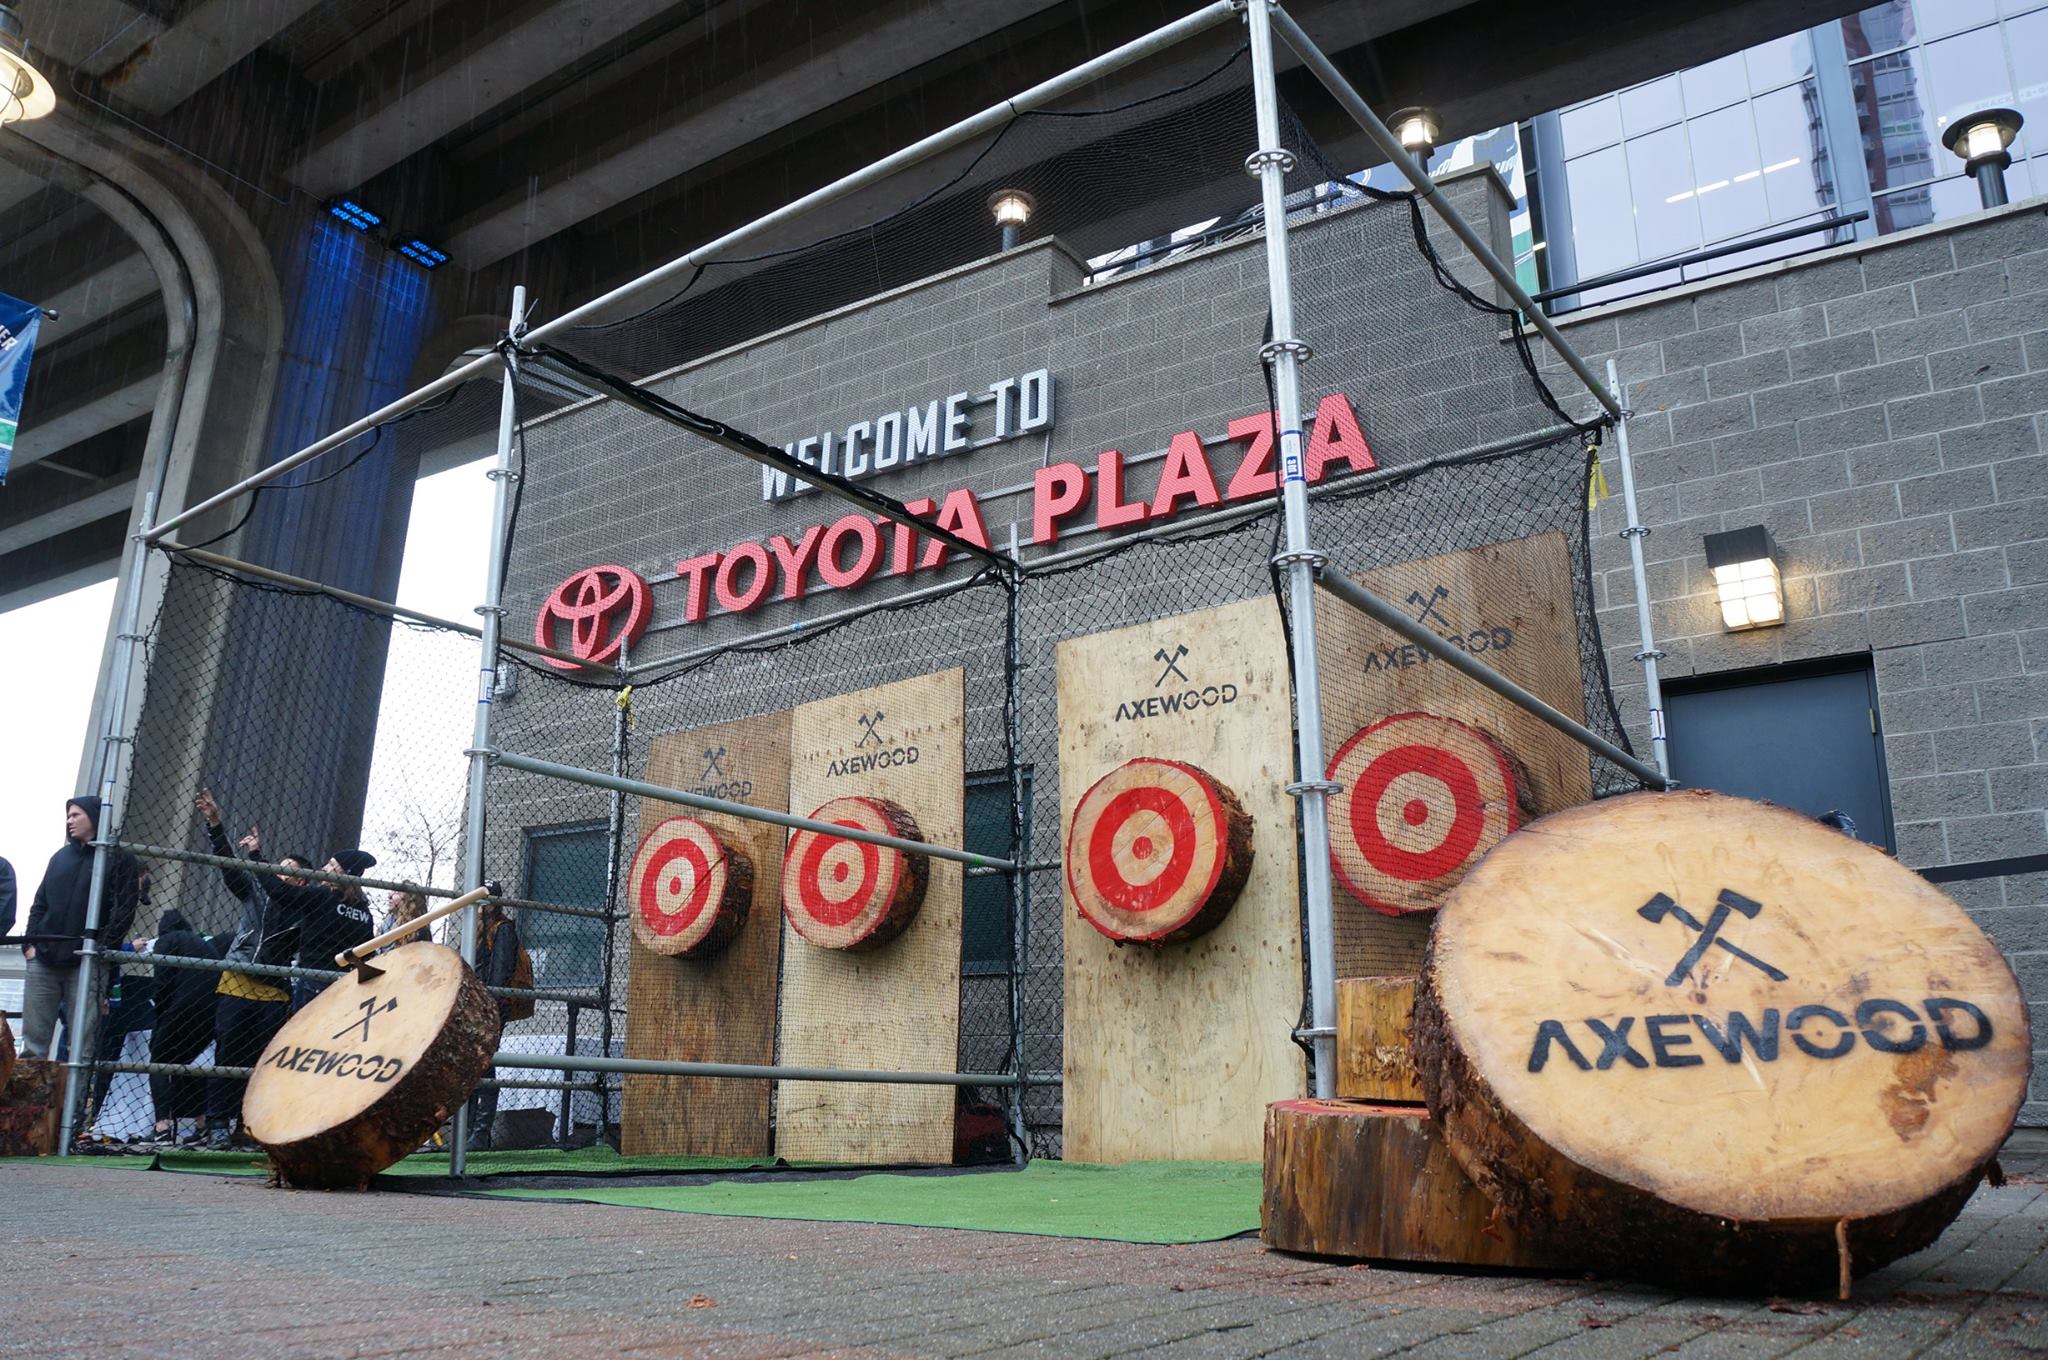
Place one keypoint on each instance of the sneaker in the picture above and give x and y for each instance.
(216, 1140)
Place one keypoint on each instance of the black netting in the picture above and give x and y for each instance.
(1430, 441)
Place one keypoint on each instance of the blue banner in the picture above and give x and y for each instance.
(19, 322)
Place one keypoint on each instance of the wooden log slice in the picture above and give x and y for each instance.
(846, 894)
(370, 1068)
(1694, 1038)
(1373, 1059)
(1158, 851)
(1366, 1181)
(1423, 799)
(6, 1053)
(32, 1108)
(690, 890)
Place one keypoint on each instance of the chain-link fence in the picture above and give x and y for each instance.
(966, 697)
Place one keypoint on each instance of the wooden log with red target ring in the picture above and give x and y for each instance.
(1158, 851)
(689, 889)
(1423, 799)
(845, 894)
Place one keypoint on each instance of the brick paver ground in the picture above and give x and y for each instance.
(112, 1264)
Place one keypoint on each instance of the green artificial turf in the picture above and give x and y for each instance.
(1156, 1202)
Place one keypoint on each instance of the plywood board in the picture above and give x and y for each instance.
(1174, 1051)
(896, 1007)
(720, 1009)
(1511, 605)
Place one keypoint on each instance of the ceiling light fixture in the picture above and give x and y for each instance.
(25, 92)
(422, 254)
(355, 214)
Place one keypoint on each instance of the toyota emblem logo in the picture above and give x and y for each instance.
(605, 608)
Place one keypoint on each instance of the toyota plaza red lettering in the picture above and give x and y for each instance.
(605, 612)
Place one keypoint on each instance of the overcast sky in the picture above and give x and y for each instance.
(55, 648)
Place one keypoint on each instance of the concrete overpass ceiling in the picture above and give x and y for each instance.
(606, 136)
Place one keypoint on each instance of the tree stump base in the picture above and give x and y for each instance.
(32, 1108)
(1375, 1182)
(370, 1068)
(6, 1053)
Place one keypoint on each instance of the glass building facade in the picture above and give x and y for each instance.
(1805, 130)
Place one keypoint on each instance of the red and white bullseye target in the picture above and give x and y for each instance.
(1424, 798)
(846, 894)
(690, 891)
(1157, 851)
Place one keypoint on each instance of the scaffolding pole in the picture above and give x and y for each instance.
(549, 769)
(493, 612)
(79, 1052)
(966, 130)
(1384, 614)
(1649, 655)
(1390, 146)
(1284, 353)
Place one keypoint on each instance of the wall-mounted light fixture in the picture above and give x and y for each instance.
(1013, 208)
(25, 92)
(1745, 571)
(1418, 132)
(1984, 141)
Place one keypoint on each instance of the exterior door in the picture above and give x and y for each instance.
(1806, 739)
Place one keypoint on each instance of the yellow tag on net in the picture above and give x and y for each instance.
(1596, 481)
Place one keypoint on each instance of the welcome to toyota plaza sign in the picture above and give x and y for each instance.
(599, 609)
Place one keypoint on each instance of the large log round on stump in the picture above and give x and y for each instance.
(848, 894)
(690, 890)
(1361, 1180)
(370, 1068)
(1158, 851)
(1716, 1044)
(1423, 799)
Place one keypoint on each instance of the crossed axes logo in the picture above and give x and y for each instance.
(1172, 660)
(1708, 936)
(873, 724)
(714, 764)
(371, 1009)
(1427, 605)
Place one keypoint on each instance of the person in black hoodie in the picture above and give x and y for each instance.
(56, 924)
(184, 1020)
(332, 917)
(6, 898)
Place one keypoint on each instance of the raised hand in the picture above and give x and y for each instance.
(208, 808)
(252, 842)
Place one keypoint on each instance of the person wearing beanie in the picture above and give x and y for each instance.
(56, 924)
(332, 917)
(249, 1008)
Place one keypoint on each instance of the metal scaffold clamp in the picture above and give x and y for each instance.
(1298, 348)
(1314, 559)
(1266, 156)
(1303, 788)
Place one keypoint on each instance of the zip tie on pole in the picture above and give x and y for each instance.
(624, 701)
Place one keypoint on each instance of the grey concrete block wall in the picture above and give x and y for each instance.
(1880, 408)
